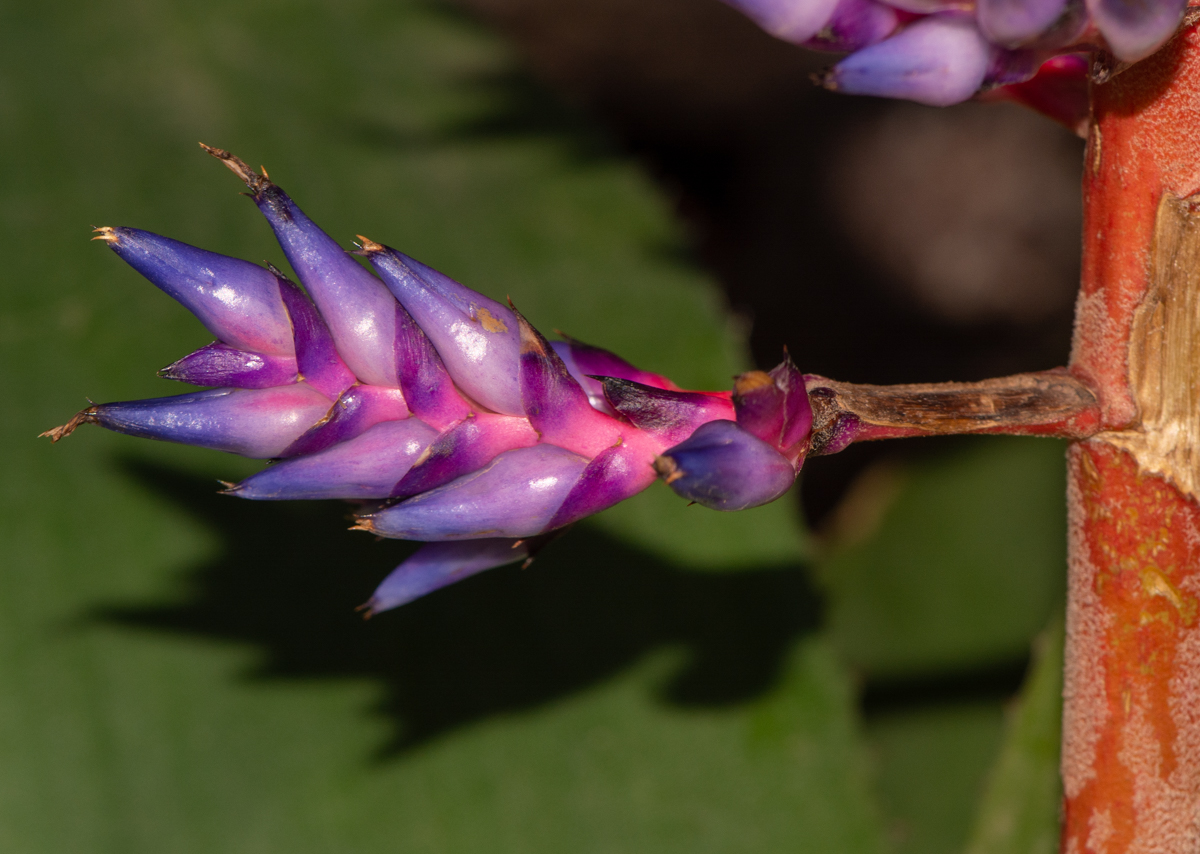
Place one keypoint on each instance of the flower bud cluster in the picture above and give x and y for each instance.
(944, 51)
(444, 412)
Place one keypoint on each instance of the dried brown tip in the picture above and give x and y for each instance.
(751, 381)
(85, 416)
(276, 271)
(363, 524)
(367, 608)
(667, 469)
(239, 167)
(369, 245)
(531, 340)
(105, 233)
(824, 79)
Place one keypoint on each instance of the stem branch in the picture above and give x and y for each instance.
(1047, 403)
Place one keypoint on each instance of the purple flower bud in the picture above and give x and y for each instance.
(238, 302)
(515, 495)
(723, 467)
(1134, 29)
(555, 404)
(252, 422)
(795, 21)
(355, 412)
(939, 60)
(1013, 23)
(221, 365)
(368, 466)
(670, 416)
(476, 337)
(854, 25)
(427, 386)
(357, 307)
(612, 476)
(317, 358)
(436, 565)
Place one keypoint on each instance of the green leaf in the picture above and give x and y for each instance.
(1019, 810)
(957, 559)
(939, 571)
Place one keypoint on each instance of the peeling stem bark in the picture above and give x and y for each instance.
(1131, 720)
(1047, 403)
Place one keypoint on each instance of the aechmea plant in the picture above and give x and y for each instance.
(942, 52)
(445, 413)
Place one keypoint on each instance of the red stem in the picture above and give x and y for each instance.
(1131, 723)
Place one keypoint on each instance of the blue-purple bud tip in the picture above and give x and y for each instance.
(723, 467)
(436, 565)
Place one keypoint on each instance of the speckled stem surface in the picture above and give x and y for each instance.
(1131, 725)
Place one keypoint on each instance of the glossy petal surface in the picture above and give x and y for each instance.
(356, 306)
(515, 495)
(368, 466)
(476, 337)
(238, 302)
(252, 422)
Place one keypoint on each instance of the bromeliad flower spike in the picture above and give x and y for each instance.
(457, 424)
(447, 411)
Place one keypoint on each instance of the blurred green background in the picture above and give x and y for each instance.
(182, 672)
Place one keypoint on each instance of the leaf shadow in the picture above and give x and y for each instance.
(287, 577)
